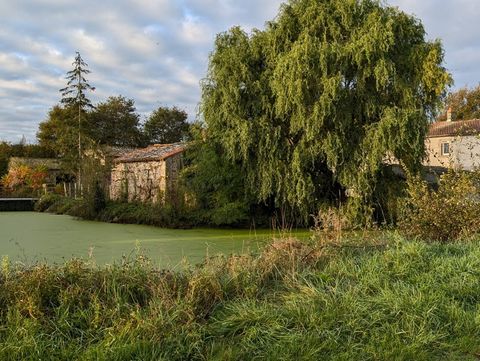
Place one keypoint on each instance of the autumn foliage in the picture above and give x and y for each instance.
(23, 177)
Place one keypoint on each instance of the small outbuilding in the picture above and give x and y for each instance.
(148, 174)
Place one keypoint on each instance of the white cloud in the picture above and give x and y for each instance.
(157, 51)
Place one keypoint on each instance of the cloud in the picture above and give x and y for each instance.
(456, 23)
(156, 52)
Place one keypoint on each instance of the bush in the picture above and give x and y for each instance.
(24, 178)
(47, 201)
(94, 207)
(447, 214)
(55, 203)
(99, 201)
(162, 215)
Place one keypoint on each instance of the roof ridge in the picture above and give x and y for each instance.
(454, 128)
(152, 152)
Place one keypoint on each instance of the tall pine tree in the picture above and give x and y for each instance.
(74, 95)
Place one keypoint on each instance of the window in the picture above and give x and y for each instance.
(445, 148)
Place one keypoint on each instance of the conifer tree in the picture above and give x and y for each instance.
(74, 95)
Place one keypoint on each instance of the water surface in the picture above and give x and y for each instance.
(40, 237)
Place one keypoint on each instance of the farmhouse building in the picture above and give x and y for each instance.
(454, 144)
(148, 174)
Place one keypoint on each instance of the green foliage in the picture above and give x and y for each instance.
(447, 214)
(99, 198)
(215, 185)
(115, 122)
(93, 206)
(93, 201)
(47, 201)
(143, 213)
(464, 102)
(388, 196)
(59, 134)
(74, 94)
(166, 125)
(407, 301)
(321, 96)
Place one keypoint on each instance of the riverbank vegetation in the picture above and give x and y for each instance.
(331, 299)
(116, 211)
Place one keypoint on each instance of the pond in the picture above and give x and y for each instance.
(32, 237)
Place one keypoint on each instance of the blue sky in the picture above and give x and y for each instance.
(156, 51)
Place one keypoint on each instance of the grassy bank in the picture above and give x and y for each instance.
(388, 299)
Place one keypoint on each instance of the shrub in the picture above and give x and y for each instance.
(447, 214)
(163, 215)
(23, 176)
(55, 203)
(99, 202)
(46, 201)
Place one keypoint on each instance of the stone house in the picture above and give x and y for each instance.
(148, 174)
(454, 144)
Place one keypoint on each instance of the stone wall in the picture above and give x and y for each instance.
(138, 181)
(151, 181)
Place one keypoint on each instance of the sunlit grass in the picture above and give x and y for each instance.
(383, 298)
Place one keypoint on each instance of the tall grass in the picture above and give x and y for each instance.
(388, 299)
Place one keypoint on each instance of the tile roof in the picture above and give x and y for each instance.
(117, 151)
(154, 152)
(455, 128)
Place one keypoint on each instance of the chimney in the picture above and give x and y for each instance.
(450, 115)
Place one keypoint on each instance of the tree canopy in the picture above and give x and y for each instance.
(59, 134)
(321, 96)
(166, 125)
(115, 122)
(464, 102)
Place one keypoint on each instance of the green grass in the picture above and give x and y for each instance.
(388, 299)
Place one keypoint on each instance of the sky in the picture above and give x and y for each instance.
(156, 51)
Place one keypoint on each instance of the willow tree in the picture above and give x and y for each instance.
(322, 95)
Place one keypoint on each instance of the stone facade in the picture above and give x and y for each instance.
(147, 175)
